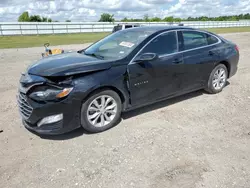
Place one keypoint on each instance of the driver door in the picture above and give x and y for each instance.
(151, 80)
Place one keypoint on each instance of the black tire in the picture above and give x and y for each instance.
(84, 119)
(210, 88)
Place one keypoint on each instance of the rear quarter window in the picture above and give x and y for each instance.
(211, 39)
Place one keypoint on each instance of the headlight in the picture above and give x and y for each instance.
(50, 94)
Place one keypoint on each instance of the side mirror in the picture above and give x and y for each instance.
(146, 57)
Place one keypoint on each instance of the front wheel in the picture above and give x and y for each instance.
(217, 79)
(101, 111)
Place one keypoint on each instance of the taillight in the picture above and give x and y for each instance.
(237, 48)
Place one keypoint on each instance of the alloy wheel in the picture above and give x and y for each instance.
(102, 110)
(219, 79)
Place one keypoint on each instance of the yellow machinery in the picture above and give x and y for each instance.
(49, 52)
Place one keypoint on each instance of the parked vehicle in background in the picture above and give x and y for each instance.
(124, 26)
(123, 71)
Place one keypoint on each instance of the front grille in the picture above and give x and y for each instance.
(24, 106)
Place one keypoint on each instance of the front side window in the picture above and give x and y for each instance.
(194, 39)
(118, 44)
(163, 44)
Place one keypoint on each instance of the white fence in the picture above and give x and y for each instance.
(31, 28)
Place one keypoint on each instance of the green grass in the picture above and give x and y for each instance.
(60, 39)
(39, 40)
(229, 30)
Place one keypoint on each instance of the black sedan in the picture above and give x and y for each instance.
(128, 69)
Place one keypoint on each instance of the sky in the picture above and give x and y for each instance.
(90, 10)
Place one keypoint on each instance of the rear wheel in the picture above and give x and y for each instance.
(101, 111)
(217, 79)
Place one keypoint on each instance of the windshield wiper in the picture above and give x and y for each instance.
(95, 55)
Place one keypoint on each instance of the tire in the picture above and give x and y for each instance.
(211, 88)
(90, 103)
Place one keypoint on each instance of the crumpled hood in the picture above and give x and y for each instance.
(67, 64)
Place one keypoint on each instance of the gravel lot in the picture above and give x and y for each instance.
(197, 140)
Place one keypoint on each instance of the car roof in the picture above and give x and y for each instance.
(160, 28)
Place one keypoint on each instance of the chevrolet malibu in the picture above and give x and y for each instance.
(128, 69)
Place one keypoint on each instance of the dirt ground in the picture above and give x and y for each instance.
(194, 141)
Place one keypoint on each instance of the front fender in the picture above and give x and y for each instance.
(115, 78)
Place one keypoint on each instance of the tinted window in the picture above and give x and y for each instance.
(163, 44)
(128, 26)
(211, 39)
(194, 39)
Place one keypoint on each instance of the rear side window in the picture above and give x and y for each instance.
(194, 39)
(211, 39)
(163, 44)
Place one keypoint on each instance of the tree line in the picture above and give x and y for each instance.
(106, 17)
(146, 18)
(25, 17)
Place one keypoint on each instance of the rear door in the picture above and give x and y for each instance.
(161, 77)
(200, 53)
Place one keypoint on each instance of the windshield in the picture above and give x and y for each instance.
(118, 44)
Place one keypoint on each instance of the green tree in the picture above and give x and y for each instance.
(203, 18)
(24, 17)
(177, 19)
(169, 19)
(234, 18)
(246, 16)
(146, 18)
(155, 19)
(44, 19)
(106, 17)
(35, 18)
(125, 19)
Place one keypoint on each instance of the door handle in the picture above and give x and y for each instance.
(178, 61)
